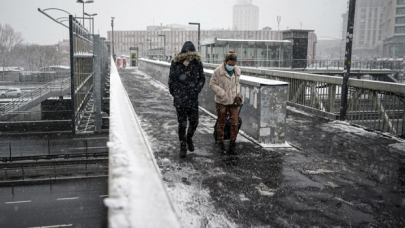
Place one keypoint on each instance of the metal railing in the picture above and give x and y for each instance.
(20, 104)
(372, 104)
(52, 149)
(89, 67)
(365, 65)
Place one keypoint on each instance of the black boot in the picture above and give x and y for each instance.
(221, 148)
(183, 149)
(190, 145)
(232, 150)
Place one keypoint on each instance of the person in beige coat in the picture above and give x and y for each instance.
(225, 85)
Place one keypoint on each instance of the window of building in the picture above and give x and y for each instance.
(362, 26)
(400, 29)
(400, 20)
(363, 10)
(400, 2)
(400, 11)
(370, 13)
(363, 15)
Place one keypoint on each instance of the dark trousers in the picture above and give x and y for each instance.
(222, 110)
(184, 115)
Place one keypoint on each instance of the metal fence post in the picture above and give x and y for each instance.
(9, 145)
(49, 150)
(97, 82)
(348, 59)
(72, 74)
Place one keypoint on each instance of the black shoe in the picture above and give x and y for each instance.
(221, 148)
(183, 149)
(232, 150)
(190, 145)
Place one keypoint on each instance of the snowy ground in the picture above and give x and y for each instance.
(339, 176)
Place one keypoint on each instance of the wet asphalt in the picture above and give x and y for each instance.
(63, 203)
(336, 176)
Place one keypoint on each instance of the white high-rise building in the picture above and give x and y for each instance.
(245, 15)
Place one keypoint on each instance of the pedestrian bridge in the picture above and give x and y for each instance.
(327, 175)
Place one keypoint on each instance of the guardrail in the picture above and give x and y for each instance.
(137, 195)
(20, 103)
(51, 149)
(365, 65)
(372, 104)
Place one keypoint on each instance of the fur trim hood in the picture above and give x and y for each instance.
(188, 55)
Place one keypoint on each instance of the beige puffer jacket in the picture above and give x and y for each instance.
(224, 86)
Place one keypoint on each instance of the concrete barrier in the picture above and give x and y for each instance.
(264, 112)
(137, 195)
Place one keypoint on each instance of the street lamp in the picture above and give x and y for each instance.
(164, 47)
(150, 46)
(81, 1)
(92, 19)
(142, 49)
(112, 34)
(192, 23)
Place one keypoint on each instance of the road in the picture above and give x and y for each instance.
(65, 203)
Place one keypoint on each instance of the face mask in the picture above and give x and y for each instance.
(229, 68)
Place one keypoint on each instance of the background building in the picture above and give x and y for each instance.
(245, 15)
(379, 29)
(175, 39)
(393, 29)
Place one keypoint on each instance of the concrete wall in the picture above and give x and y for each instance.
(264, 112)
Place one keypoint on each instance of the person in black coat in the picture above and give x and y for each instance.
(186, 80)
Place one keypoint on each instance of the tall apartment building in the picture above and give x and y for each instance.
(175, 39)
(393, 29)
(245, 16)
(367, 28)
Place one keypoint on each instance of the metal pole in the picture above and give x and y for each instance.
(9, 145)
(112, 34)
(348, 58)
(199, 47)
(164, 46)
(97, 82)
(49, 150)
(72, 73)
(83, 14)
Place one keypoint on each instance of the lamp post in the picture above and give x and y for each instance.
(192, 23)
(150, 47)
(142, 49)
(112, 34)
(164, 47)
(92, 19)
(81, 1)
(313, 49)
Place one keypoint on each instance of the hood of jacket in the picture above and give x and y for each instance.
(188, 52)
(222, 70)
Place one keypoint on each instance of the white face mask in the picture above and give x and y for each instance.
(229, 68)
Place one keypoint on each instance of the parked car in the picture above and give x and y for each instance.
(13, 92)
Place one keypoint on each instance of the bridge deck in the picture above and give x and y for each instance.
(339, 176)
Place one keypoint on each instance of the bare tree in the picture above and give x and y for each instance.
(9, 39)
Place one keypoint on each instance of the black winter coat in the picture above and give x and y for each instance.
(185, 83)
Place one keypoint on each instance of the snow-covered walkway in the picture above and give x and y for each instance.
(336, 175)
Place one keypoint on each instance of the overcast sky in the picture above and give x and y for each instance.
(323, 16)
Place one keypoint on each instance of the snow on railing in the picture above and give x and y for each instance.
(137, 196)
